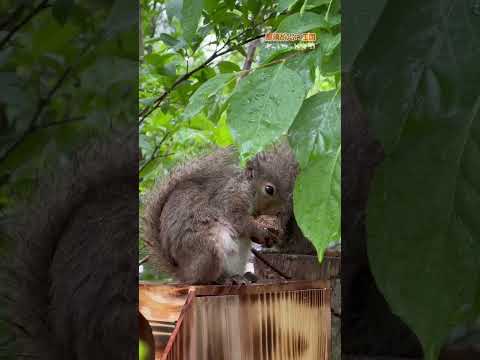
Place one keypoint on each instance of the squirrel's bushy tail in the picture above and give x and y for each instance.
(215, 164)
(68, 280)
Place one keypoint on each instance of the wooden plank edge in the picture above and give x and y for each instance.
(216, 290)
(171, 340)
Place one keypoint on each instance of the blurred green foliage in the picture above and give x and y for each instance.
(68, 74)
(56, 88)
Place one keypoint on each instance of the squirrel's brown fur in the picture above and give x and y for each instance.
(199, 220)
(69, 283)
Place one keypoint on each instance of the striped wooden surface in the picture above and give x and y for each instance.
(289, 320)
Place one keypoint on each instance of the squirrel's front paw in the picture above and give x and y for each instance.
(266, 230)
(266, 236)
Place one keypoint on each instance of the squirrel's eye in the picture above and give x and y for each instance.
(269, 189)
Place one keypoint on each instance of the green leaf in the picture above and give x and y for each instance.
(222, 135)
(228, 67)
(316, 129)
(254, 6)
(316, 200)
(305, 65)
(169, 40)
(315, 138)
(159, 120)
(230, 4)
(274, 52)
(191, 12)
(315, 3)
(331, 64)
(329, 42)
(61, 9)
(298, 23)
(442, 230)
(422, 222)
(162, 63)
(211, 5)
(363, 16)
(99, 79)
(285, 4)
(263, 107)
(174, 9)
(123, 16)
(241, 50)
(200, 122)
(210, 88)
(143, 350)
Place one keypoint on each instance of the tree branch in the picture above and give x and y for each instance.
(154, 153)
(43, 5)
(149, 109)
(16, 13)
(247, 65)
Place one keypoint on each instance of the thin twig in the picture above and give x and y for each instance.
(144, 260)
(274, 62)
(153, 159)
(247, 65)
(154, 153)
(43, 5)
(149, 243)
(15, 14)
(266, 262)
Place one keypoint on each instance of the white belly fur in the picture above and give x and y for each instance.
(236, 251)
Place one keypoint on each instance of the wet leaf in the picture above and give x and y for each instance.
(423, 103)
(264, 106)
(191, 12)
(207, 90)
(315, 138)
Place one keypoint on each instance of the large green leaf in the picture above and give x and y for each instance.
(315, 138)
(316, 200)
(423, 228)
(210, 88)
(362, 16)
(264, 106)
(433, 252)
(61, 10)
(298, 23)
(123, 17)
(304, 64)
(285, 4)
(191, 12)
(316, 129)
(228, 67)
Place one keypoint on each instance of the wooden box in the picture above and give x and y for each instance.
(267, 321)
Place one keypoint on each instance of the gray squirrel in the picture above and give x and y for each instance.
(200, 220)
